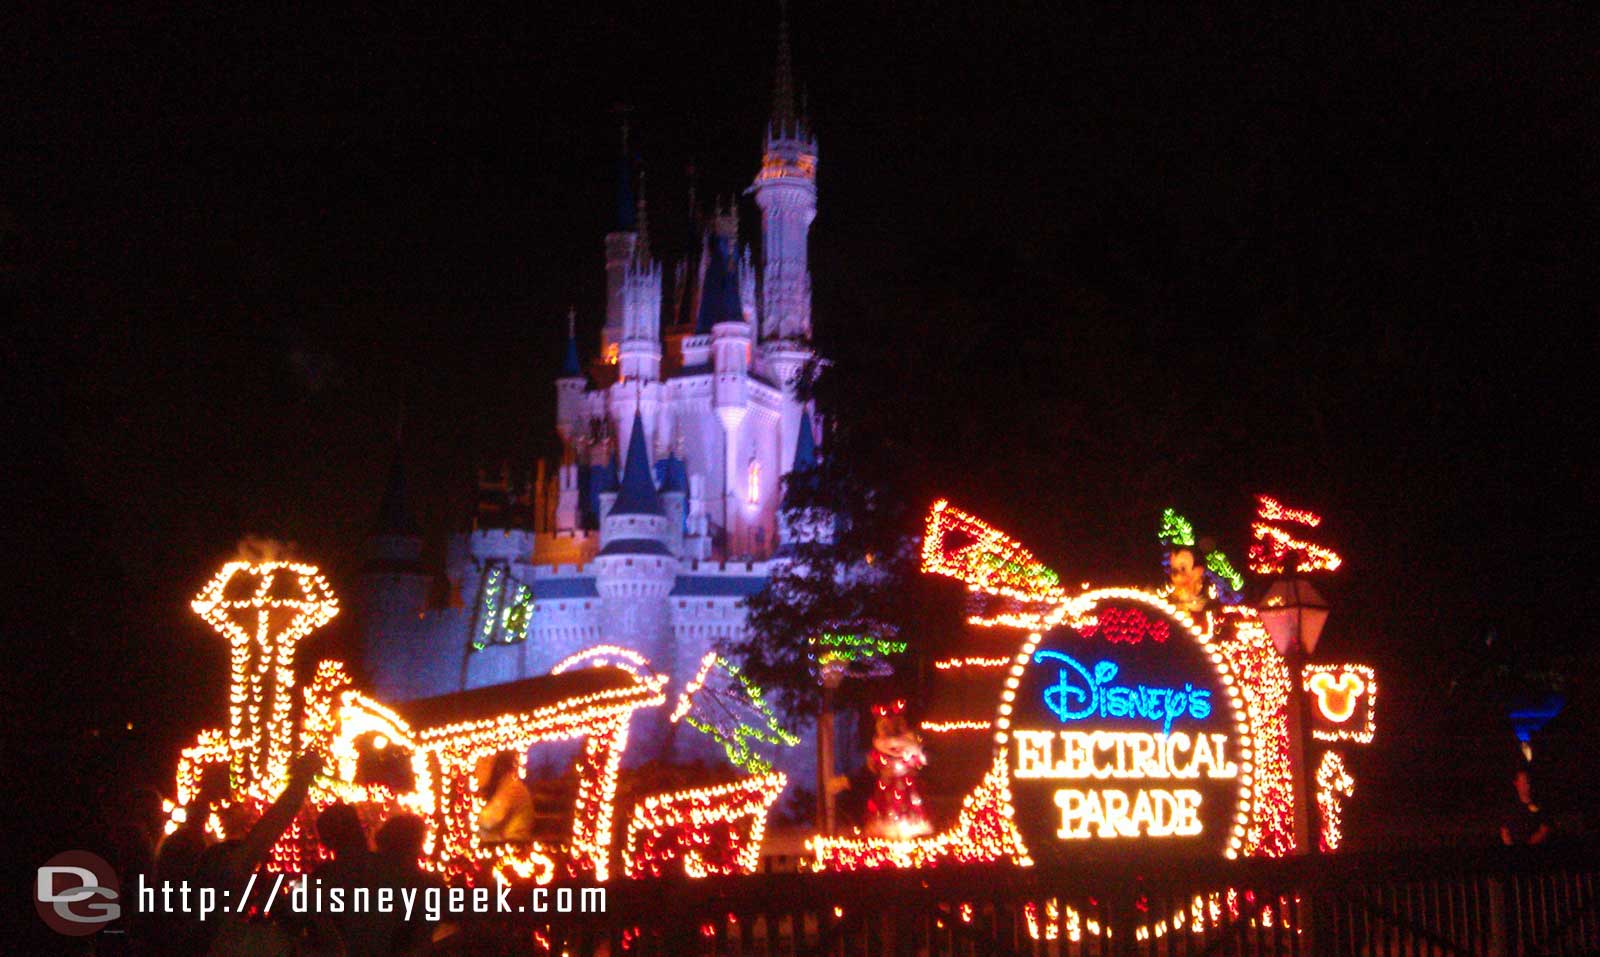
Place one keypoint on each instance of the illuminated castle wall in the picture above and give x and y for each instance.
(663, 513)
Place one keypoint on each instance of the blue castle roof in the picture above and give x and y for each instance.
(805, 450)
(571, 366)
(719, 295)
(805, 459)
(638, 493)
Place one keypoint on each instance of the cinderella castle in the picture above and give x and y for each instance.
(664, 512)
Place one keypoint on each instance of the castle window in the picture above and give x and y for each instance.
(752, 492)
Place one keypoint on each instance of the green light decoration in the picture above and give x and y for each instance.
(517, 615)
(502, 620)
(862, 656)
(730, 708)
(1218, 564)
(1178, 532)
(1036, 573)
(855, 647)
(1175, 529)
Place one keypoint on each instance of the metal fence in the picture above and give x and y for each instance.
(1491, 901)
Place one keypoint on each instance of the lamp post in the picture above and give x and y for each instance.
(832, 677)
(1293, 612)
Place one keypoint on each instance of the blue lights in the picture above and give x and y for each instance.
(1081, 693)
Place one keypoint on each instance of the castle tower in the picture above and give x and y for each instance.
(640, 351)
(569, 409)
(634, 572)
(393, 596)
(730, 393)
(786, 192)
(621, 249)
(812, 525)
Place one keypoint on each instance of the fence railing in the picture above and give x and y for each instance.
(1493, 901)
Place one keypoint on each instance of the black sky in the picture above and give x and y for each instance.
(1111, 258)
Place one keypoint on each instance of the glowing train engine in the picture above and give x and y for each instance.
(422, 757)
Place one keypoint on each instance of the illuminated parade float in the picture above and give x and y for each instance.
(1122, 721)
(1161, 724)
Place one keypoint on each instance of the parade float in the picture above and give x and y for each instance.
(1169, 723)
(422, 757)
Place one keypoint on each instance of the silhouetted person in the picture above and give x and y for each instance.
(365, 932)
(399, 843)
(1525, 822)
(227, 866)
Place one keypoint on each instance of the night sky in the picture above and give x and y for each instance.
(1075, 266)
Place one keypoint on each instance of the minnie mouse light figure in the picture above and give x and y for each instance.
(895, 809)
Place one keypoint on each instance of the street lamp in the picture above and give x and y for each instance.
(1293, 612)
(833, 672)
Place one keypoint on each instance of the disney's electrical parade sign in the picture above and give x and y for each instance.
(1128, 733)
(1132, 721)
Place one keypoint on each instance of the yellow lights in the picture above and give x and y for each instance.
(1341, 692)
(601, 717)
(1334, 783)
(1252, 679)
(958, 664)
(962, 546)
(1260, 671)
(603, 656)
(942, 727)
(597, 792)
(264, 610)
(686, 698)
(776, 166)
(1144, 755)
(1125, 754)
(752, 483)
(1271, 510)
(711, 831)
(1113, 813)
(1274, 547)
(983, 833)
(517, 865)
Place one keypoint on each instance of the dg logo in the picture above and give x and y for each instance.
(76, 893)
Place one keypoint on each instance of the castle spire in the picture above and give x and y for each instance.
(642, 224)
(571, 367)
(784, 117)
(693, 177)
(394, 517)
(638, 493)
(786, 191)
(626, 207)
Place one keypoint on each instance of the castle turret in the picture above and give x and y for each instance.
(570, 385)
(498, 533)
(640, 350)
(621, 248)
(634, 572)
(719, 290)
(798, 524)
(394, 588)
(786, 191)
(730, 354)
(673, 481)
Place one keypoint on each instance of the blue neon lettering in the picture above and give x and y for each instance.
(1079, 693)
